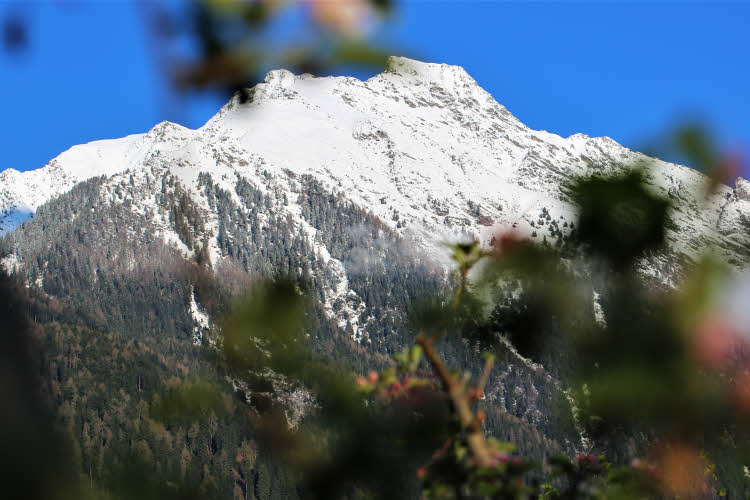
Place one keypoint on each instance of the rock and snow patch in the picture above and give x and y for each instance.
(340, 299)
(742, 189)
(598, 311)
(9, 263)
(586, 443)
(200, 317)
(524, 361)
(295, 399)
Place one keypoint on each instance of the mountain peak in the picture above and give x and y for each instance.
(279, 78)
(277, 83)
(445, 76)
(425, 71)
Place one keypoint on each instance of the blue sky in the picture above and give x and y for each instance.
(626, 70)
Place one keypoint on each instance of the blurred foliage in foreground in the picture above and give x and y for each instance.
(234, 42)
(234, 48)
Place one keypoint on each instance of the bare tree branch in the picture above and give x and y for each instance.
(461, 403)
(488, 363)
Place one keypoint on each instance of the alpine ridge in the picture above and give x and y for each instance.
(421, 145)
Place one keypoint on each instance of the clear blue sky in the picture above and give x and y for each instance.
(628, 71)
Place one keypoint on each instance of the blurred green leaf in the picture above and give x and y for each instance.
(265, 330)
(696, 144)
(620, 219)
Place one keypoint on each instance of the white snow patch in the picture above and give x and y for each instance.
(10, 263)
(200, 317)
(598, 311)
(586, 443)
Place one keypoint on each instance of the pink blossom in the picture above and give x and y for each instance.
(587, 458)
(713, 341)
(505, 240)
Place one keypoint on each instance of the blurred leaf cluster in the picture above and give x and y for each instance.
(228, 45)
(239, 41)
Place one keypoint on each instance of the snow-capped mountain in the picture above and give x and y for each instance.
(421, 145)
(353, 185)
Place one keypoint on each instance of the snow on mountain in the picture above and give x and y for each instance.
(421, 145)
(22, 192)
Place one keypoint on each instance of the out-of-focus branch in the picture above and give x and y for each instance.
(461, 403)
(488, 363)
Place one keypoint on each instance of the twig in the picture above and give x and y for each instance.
(461, 403)
(485, 376)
